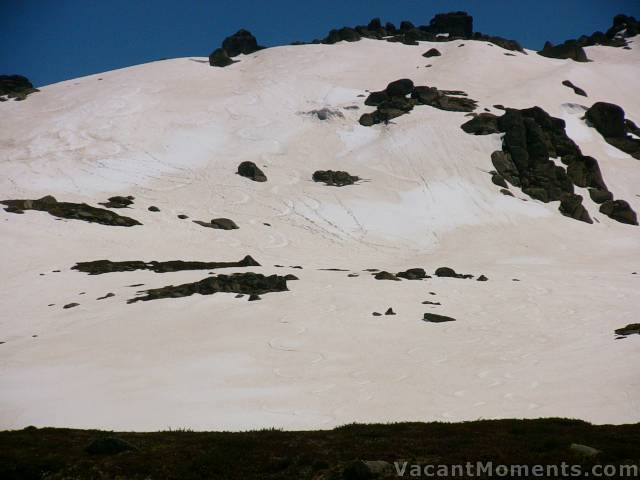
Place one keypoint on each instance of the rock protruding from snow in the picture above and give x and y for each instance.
(567, 50)
(456, 24)
(219, 224)
(240, 43)
(99, 267)
(334, 178)
(609, 120)
(15, 86)
(251, 171)
(432, 52)
(576, 90)
(74, 211)
(620, 211)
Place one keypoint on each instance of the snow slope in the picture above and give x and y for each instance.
(172, 133)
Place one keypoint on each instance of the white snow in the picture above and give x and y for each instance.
(172, 133)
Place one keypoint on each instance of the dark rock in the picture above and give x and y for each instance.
(368, 120)
(108, 446)
(433, 52)
(440, 99)
(427, 302)
(499, 180)
(291, 277)
(334, 178)
(446, 272)
(506, 192)
(434, 318)
(220, 58)
(119, 202)
(568, 50)
(389, 311)
(632, 329)
(585, 172)
(456, 24)
(251, 171)
(70, 305)
(620, 211)
(219, 224)
(108, 295)
(183, 216)
(74, 211)
(400, 88)
(253, 297)
(376, 314)
(325, 113)
(506, 168)
(576, 90)
(153, 208)
(571, 206)
(386, 276)
(600, 196)
(99, 267)
(16, 86)
(376, 98)
(482, 278)
(413, 274)
(482, 124)
(245, 283)
(241, 42)
(505, 43)
(607, 118)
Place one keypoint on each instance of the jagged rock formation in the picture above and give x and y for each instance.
(481, 124)
(15, 86)
(242, 283)
(98, 267)
(609, 120)
(567, 50)
(532, 137)
(240, 43)
(623, 27)
(576, 90)
(334, 178)
(251, 171)
(433, 52)
(394, 101)
(74, 211)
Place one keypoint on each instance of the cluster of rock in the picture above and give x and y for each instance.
(420, 274)
(240, 43)
(623, 27)
(442, 28)
(531, 138)
(609, 119)
(334, 178)
(219, 224)
(74, 211)
(241, 283)
(17, 87)
(98, 267)
(400, 96)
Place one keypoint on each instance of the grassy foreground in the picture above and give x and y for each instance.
(271, 454)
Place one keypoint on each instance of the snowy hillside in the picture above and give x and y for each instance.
(534, 340)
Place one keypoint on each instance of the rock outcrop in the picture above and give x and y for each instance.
(609, 120)
(576, 90)
(568, 50)
(240, 43)
(17, 87)
(73, 211)
(98, 267)
(243, 283)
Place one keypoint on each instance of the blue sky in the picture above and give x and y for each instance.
(54, 40)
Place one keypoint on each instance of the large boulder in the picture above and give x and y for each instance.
(343, 34)
(241, 42)
(620, 211)
(607, 118)
(334, 178)
(568, 50)
(251, 171)
(571, 206)
(400, 88)
(16, 86)
(433, 52)
(482, 124)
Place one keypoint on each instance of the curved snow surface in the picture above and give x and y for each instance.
(172, 133)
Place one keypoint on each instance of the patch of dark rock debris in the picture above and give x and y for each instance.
(74, 211)
(99, 267)
(246, 283)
